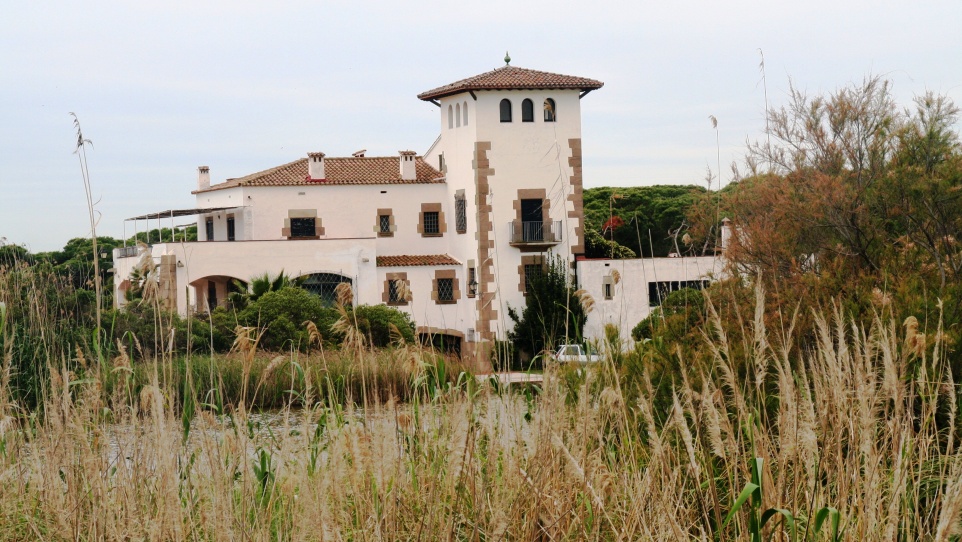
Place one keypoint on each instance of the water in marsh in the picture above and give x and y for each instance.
(287, 434)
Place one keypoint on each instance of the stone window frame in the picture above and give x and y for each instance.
(432, 208)
(537, 259)
(608, 287)
(455, 286)
(302, 213)
(377, 223)
(472, 274)
(386, 294)
(534, 193)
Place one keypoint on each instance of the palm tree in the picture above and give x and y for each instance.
(246, 294)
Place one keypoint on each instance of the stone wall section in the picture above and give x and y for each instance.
(576, 197)
(487, 313)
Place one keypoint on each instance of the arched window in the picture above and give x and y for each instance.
(550, 113)
(324, 285)
(465, 113)
(457, 114)
(505, 110)
(527, 110)
(450, 117)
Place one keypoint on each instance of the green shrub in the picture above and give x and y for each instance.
(375, 321)
(282, 314)
(680, 312)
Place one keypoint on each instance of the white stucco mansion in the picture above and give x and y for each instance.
(463, 226)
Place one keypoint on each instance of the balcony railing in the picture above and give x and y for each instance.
(127, 252)
(536, 233)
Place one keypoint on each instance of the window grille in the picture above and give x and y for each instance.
(658, 291)
(472, 282)
(324, 285)
(431, 224)
(230, 228)
(445, 289)
(608, 291)
(303, 227)
(210, 229)
(532, 272)
(461, 214)
(384, 224)
(393, 291)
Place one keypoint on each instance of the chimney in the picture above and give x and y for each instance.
(408, 171)
(359, 154)
(726, 233)
(203, 178)
(315, 166)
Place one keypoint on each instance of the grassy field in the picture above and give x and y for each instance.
(852, 440)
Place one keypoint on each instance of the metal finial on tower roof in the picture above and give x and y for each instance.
(507, 59)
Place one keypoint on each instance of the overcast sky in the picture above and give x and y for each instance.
(162, 87)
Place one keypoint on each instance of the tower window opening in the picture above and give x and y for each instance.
(505, 110)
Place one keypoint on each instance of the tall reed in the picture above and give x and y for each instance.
(863, 423)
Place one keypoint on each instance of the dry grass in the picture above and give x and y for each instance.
(864, 423)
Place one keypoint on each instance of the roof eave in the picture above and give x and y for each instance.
(434, 95)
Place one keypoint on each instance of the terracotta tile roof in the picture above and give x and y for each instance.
(512, 77)
(340, 171)
(420, 259)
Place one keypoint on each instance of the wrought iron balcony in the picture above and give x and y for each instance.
(547, 233)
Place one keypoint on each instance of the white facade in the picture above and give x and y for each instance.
(624, 299)
(520, 181)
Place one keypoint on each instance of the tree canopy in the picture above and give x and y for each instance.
(642, 218)
(850, 194)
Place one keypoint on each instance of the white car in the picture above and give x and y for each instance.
(575, 353)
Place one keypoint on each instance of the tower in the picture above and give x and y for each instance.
(510, 148)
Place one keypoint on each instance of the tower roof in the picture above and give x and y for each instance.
(512, 78)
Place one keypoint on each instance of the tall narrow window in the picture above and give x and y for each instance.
(505, 110)
(550, 113)
(472, 282)
(465, 111)
(532, 220)
(450, 117)
(230, 228)
(431, 223)
(457, 114)
(527, 110)
(460, 213)
(531, 273)
(393, 292)
(210, 228)
(441, 162)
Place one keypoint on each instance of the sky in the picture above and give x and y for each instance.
(163, 87)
